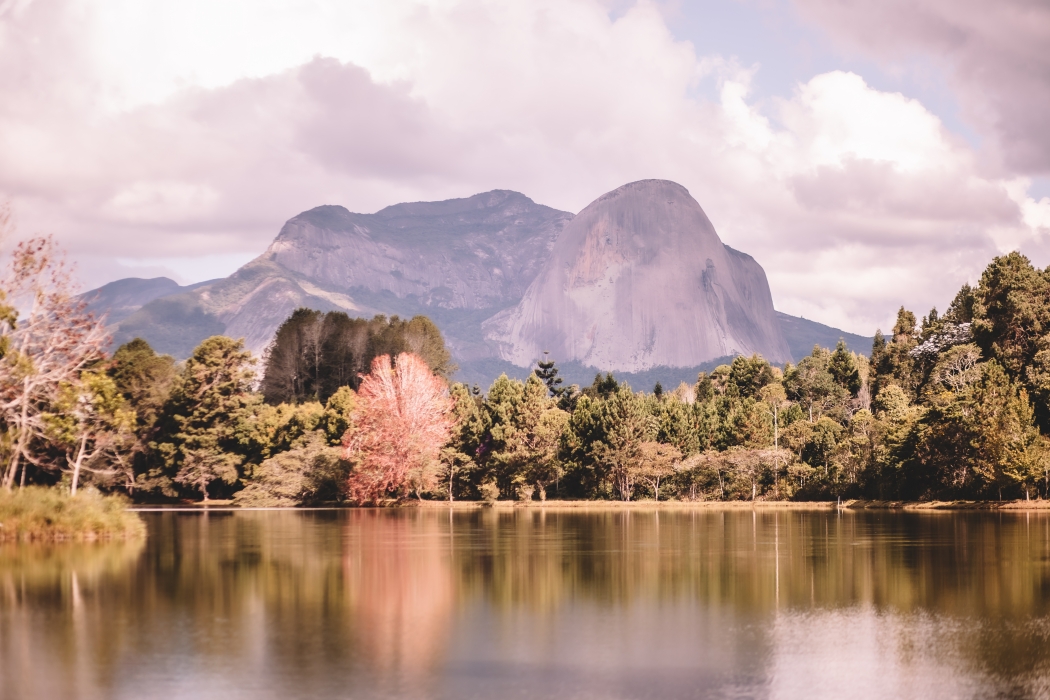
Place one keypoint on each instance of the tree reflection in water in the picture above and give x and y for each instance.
(535, 603)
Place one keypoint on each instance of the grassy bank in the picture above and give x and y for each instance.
(37, 513)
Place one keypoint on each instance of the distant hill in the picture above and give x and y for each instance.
(802, 334)
(122, 298)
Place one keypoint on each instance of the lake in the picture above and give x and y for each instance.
(534, 603)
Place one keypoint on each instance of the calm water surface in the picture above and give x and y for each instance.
(533, 604)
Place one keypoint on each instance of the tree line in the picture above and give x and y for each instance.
(954, 405)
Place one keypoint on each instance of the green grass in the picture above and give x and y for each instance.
(38, 513)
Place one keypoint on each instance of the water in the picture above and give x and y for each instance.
(534, 604)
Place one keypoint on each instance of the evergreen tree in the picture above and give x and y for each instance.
(548, 374)
(314, 354)
(1011, 311)
(747, 375)
(844, 370)
(626, 425)
(198, 444)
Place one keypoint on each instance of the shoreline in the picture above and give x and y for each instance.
(850, 505)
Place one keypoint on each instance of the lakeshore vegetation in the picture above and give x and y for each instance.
(343, 410)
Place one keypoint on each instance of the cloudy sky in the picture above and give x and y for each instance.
(867, 154)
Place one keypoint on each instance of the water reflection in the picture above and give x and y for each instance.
(535, 603)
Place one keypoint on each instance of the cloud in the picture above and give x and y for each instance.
(995, 53)
(141, 137)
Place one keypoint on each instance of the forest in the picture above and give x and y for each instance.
(362, 411)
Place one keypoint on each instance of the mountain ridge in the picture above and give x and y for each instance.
(462, 262)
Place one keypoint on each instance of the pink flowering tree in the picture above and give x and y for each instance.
(402, 419)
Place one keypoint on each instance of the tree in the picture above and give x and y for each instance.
(198, 441)
(548, 374)
(49, 347)
(545, 468)
(310, 471)
(894, 362)
(626, 425)
(145, 380)
(1008, 449)
(812, 385)
(402, 419)
(313, 354)
(747, 375)
(1011, 311)
(338, 412)
(94, 427)
(823, 441)
(602, 387)
(775, 398)
(656, 462)
(295, 360)
(843, 369)
(749, 466)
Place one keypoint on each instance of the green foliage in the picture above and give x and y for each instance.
(308, 472)
(893, 362)
(548, 374)
(92, 425)
(198, 443)
(625, 426)
(843, 369)
(314, 354)
(747, 375)
(1011, 311)
(38, 513)
(812, 384)
(952, 406)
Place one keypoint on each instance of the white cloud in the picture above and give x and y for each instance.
(163, 131)
(995, 54)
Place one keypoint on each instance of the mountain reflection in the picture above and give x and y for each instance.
(535, 603)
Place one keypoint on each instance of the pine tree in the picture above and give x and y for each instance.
(548, 374)
(844, 370)
(198, 442)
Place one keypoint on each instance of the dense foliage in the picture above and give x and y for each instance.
(38, 513)
(314, 354)
(949, 406)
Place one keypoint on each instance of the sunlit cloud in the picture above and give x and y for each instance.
(153, 132)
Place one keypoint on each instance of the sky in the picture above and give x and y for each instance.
(868, 155)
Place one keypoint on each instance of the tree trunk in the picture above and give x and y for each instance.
(776, 453)
(21, 444)
(76, 465)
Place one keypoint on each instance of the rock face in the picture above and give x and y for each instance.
(640, 279)
(474, 253)
(458, 261)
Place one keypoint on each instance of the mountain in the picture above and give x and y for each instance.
(475, 262)
(802, 334)
(124, 297)
(640, 279)
(458, 261)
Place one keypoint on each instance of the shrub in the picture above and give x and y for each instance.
(39, 513)
(310, 472)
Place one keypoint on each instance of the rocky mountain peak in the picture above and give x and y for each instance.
(640, 279)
